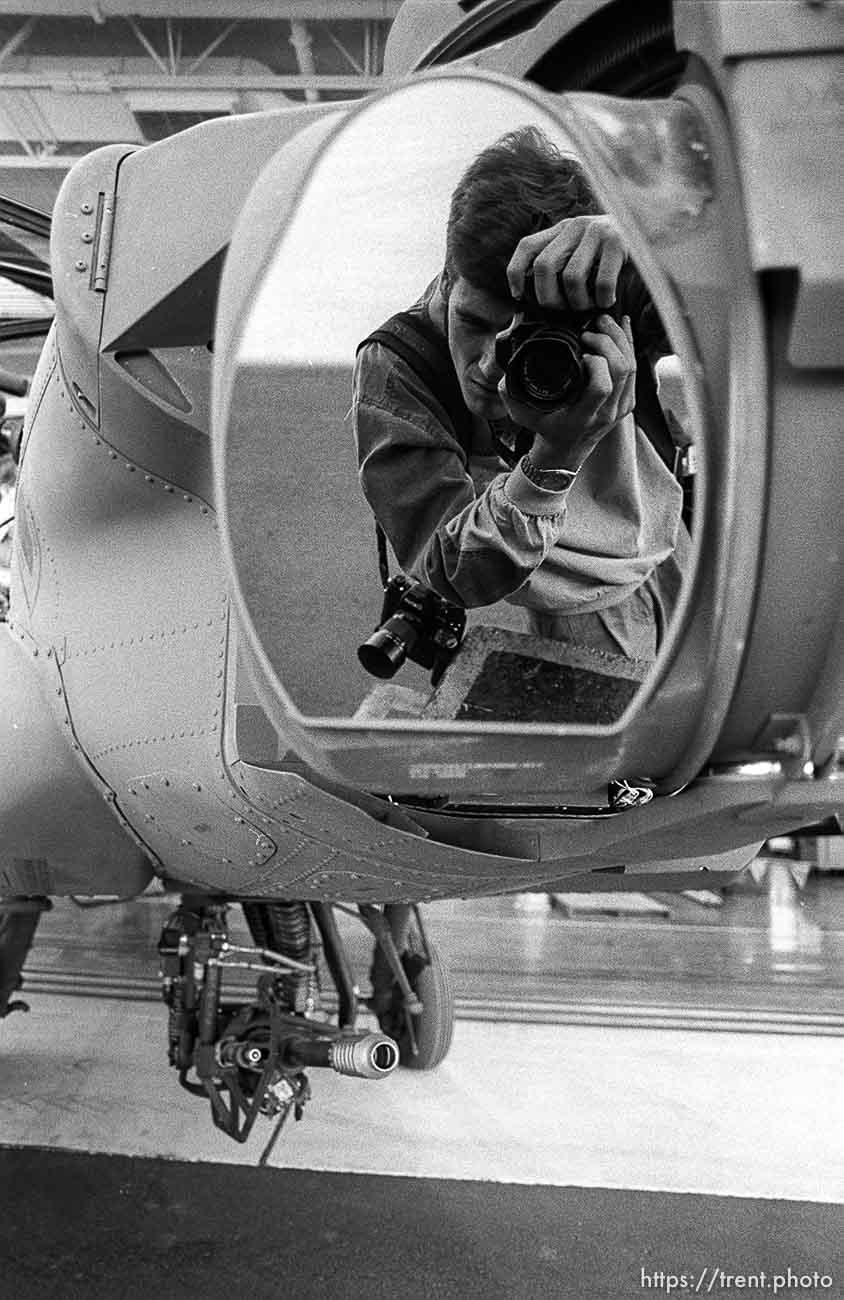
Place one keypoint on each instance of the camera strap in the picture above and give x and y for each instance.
(418, 342)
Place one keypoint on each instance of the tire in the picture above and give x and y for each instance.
(433, 1028)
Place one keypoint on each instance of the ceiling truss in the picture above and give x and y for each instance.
(167, 57)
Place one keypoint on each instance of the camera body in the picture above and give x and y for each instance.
(415, 624)
(541, 351)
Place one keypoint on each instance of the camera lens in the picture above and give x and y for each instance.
(385, 651)
(547, 369)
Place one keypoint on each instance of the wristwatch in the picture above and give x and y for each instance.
(552, 480)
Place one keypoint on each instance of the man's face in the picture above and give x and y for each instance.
(474, 319)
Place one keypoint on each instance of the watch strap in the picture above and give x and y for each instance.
(552, 480)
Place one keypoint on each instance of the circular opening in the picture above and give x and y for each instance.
(385, 1056)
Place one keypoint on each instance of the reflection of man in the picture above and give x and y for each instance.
(570, 513)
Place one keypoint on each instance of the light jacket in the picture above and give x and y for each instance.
(477, 531)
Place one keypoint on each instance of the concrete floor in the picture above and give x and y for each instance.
(719, 1113)
(627, 1100)
(580, 1056)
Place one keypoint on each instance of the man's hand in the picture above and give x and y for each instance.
(576, 263)
(567, 436)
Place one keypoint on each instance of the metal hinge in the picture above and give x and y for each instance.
(102, 248)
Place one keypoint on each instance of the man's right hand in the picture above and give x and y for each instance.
(566, 436)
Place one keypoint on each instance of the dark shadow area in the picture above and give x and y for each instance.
(140, 1228)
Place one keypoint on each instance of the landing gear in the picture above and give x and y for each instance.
(249, 1057)
(418, 1011)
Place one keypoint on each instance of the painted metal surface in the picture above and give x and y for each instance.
(121, 614)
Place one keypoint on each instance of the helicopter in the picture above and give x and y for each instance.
(192, 558)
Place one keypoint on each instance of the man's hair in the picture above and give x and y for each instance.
(517, 186)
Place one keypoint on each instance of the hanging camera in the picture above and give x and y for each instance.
(415, 624)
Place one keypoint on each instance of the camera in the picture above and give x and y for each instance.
(415, 624)
(541, 352)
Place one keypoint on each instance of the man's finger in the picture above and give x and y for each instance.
(626, 402)
(609, 269)
(607, 326)
(600, 383)
(564, 235)
(578, 269)
(523, 258)
(612, 343)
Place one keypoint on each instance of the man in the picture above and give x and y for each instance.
(569, 513)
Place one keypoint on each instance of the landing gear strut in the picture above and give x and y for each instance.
(249, 1057)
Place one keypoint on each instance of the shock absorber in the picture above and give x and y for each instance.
(285, 927)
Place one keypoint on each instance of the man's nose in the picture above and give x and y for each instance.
(488, 365)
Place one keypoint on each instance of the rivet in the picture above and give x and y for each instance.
(130, 467)
(149, 478)
(87, 208)
(113, 455)
(87, 238)
(148, 817)
(81, 264)
(185, 497)
(168, 487)
(197, 786)
(238, 821)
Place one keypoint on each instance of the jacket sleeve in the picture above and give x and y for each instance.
(472, 547)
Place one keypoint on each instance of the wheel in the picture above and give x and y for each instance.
(433, 1028)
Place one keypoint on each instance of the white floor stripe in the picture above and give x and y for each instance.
(743, 1114)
